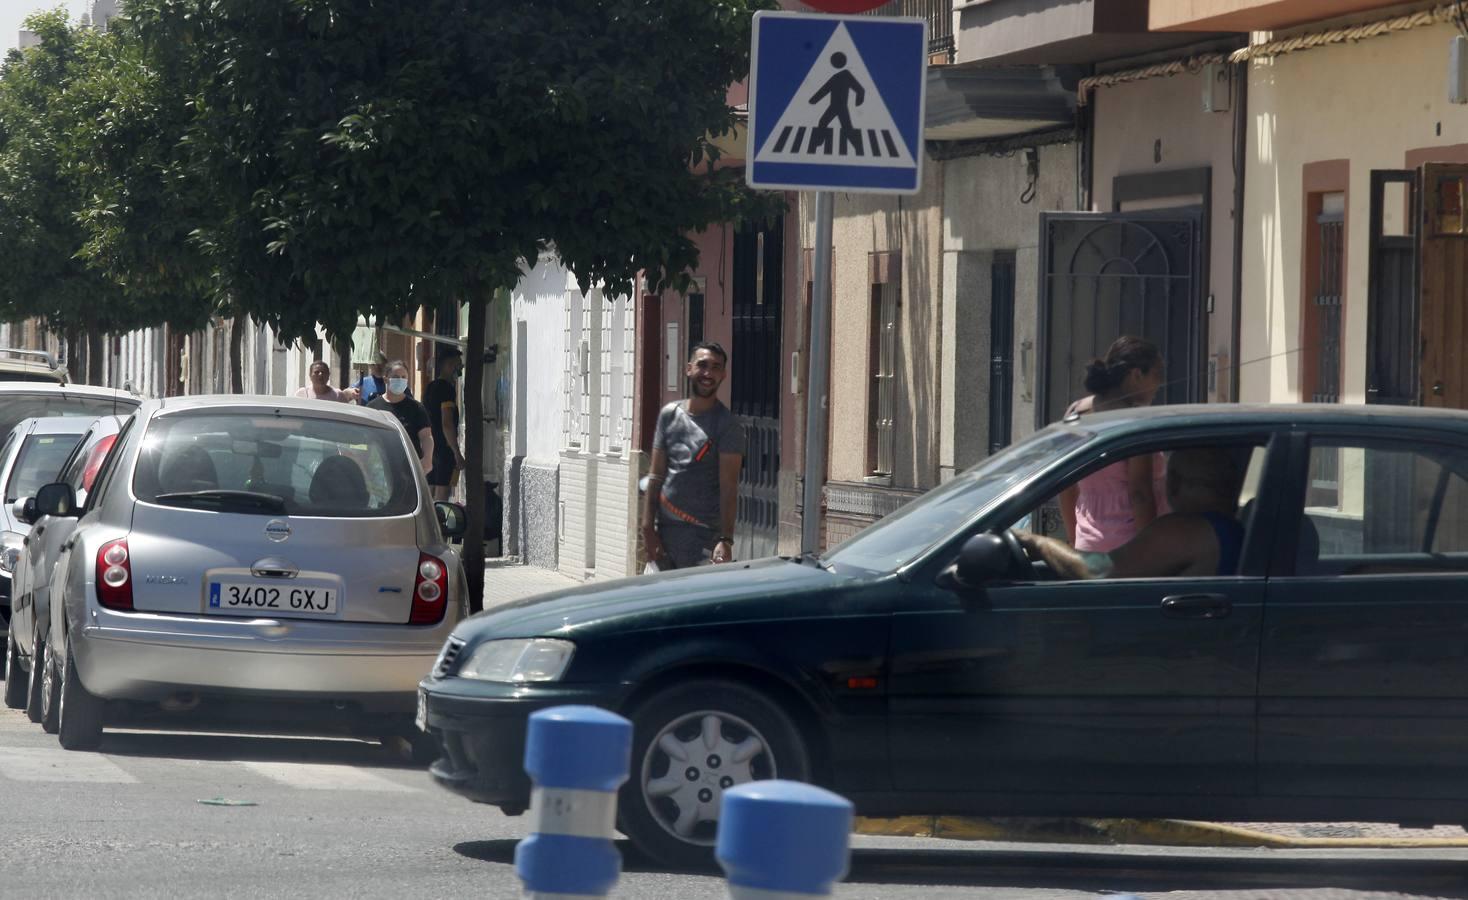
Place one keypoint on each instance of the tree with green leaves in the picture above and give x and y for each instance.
(51, 96)
(370, 157)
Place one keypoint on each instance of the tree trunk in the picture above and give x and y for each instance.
(473, 552)
(94, 358)
(74, 355)
(236, 353)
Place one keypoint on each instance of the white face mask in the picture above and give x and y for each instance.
(397, 385)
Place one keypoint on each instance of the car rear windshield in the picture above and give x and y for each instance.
(40, 461)
(266, 464)
(15, 407)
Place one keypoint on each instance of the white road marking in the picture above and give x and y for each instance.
(322, 777)
(45, 764)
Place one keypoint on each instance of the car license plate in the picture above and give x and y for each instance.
(271, 599)
(421, 719)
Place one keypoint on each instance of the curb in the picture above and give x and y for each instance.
(1163, 832)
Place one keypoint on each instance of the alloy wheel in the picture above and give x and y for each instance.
(691, 763)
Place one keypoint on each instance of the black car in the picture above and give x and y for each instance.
(924, 667)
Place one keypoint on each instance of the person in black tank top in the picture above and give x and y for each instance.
(1201, 537)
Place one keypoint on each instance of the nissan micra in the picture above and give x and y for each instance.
(256, 559)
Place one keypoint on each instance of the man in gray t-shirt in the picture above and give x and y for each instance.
(693, 488)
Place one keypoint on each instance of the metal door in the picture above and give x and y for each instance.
(758, 288)
(1104, 275)
(1444, 283)
(1001, 349)
(1392, 338)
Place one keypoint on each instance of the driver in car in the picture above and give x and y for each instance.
(1201, 537)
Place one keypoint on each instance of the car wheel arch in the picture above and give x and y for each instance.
(803, 713)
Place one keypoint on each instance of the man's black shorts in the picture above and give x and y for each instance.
(442, 473)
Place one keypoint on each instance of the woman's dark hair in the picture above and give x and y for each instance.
(1126, 353)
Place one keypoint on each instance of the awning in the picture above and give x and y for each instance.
(968, 103)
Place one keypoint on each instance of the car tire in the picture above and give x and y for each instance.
(15, 686)
(79, 722)
(33, 710)
(50, 692)
(669, 805)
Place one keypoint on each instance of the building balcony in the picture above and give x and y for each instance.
(939, 14)
(1061, 32)
(1252, 15)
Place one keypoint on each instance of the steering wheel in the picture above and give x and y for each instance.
(1019, 563)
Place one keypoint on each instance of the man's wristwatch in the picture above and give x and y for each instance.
(724, 539)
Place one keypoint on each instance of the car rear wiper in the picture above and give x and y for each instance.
(225, 501)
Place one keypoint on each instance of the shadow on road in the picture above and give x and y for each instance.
(1101, 871)
(252, 748)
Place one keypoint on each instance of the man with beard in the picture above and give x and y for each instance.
(693, 488)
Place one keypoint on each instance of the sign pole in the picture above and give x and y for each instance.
(818, 380)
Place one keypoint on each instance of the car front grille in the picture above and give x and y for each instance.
(449, 658)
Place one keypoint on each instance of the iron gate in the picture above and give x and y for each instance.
(1109, 274)
(758, 293)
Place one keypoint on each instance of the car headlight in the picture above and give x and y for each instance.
(10, 546)
(518, 660)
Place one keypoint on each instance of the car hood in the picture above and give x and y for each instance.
(705, 595)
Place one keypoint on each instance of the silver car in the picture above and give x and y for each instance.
(251, 558)
(31, 579)
(31, 455)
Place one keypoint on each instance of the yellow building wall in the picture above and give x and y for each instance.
(1368, 103)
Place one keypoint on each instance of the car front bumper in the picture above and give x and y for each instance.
(143, 656)
(481, 728)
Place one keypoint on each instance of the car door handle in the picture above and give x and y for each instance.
(1196, 606)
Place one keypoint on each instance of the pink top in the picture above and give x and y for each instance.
(332, 393)
(1104, 518)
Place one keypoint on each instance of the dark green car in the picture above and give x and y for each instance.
(926, 666)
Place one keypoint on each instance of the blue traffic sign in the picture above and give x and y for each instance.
(836, 103)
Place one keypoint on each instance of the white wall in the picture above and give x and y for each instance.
(538, 302)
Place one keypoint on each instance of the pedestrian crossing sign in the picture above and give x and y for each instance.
(836, 103)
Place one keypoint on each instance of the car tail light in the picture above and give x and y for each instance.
(115, 576)
(430, 585)
(95, 459)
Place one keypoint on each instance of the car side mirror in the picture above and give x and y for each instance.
(24, 510)
(55, 499)
(453, 519)
(983, 558)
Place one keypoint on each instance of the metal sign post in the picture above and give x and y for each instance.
(836, 103)
(818, 381)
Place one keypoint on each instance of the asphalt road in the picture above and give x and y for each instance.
(335, 818)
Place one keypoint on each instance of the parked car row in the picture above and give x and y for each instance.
(222, 560)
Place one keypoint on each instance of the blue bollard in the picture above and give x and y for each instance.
(577, 757)
(783, 839)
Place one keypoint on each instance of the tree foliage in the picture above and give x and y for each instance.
(371, 156)
(55, 103)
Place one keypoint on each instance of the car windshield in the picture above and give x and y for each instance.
(41, 458)
(16, 407)
(899, 538)
(275, 465)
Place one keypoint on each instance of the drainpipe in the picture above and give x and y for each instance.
(1241, 145)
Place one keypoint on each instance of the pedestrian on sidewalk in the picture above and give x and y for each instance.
(409, 412)
(320, 387)
(441, 399)
(693, 488)
(373, 383)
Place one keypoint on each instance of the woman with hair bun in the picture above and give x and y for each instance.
(1107, 508)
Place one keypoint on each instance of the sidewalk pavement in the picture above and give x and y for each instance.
(507, 580)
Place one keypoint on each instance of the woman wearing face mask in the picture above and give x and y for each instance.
(409, 412)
